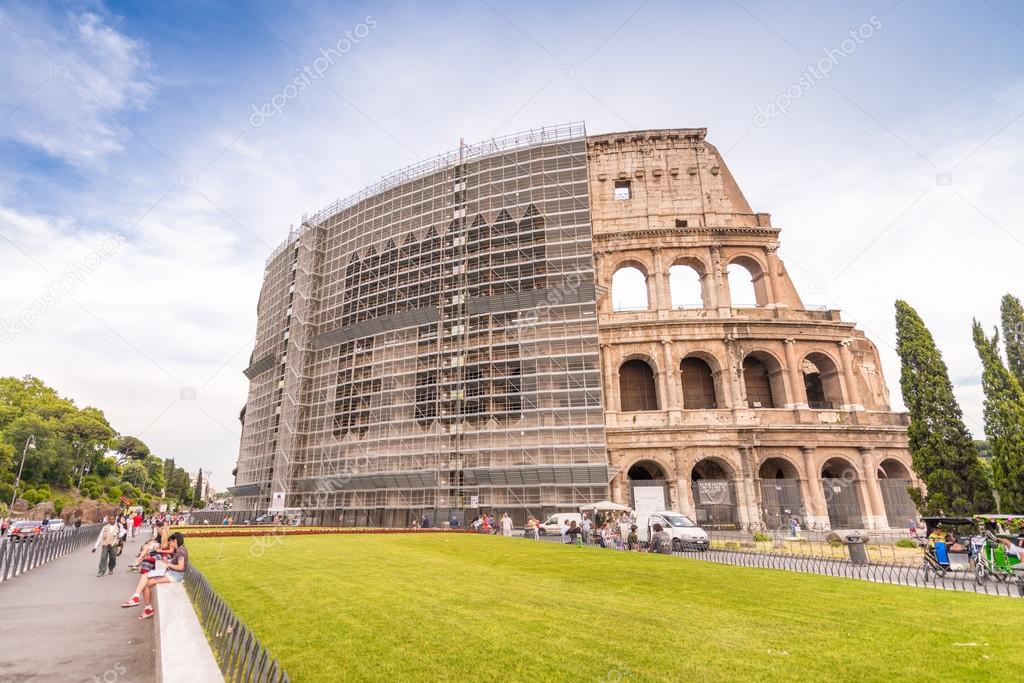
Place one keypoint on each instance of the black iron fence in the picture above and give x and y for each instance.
(886, 562)
(20, 555)
(239, 653)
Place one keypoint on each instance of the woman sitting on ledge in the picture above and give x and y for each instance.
(173, 571)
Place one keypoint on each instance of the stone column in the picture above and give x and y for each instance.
(738, 393)
(611, 378)
(772, 264)
(750, 514)
(849, 377)
(722, 300)
(672, 383)
(877, 518)
(798, 392)
(660, 284)
(653, 300)
(817, 512)
(684, 501)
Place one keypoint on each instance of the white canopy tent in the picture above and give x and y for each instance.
(605, 506)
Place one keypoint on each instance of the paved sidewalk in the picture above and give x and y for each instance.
(60, 622)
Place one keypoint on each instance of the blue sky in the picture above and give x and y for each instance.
(131, 169)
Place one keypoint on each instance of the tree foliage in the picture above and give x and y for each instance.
(944, 455)
(74, 445)
(1012, 313)
(1004, 421)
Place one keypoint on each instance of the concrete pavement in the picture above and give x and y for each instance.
(60, 622)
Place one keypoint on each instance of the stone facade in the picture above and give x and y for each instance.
(666, 198)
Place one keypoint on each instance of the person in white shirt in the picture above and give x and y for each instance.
(506, 524)
(110, 536)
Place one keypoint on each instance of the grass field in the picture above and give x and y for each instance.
(485, 608)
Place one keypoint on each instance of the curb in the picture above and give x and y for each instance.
(183, 653)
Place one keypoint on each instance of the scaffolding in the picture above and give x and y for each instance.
(430, 344)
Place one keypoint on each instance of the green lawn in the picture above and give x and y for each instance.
(453, 607)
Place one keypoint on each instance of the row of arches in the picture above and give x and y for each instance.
(689, 283)
(700, 378)
(716, 491)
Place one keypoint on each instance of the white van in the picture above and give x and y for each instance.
(684, 533)
(553, 524)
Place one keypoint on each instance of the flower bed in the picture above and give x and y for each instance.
(270, 530)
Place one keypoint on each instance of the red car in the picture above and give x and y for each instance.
(26, 531)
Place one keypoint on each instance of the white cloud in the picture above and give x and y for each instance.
(70, 80)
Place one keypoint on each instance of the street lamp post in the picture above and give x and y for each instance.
(30, 442)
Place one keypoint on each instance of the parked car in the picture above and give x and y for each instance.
(684, 533)
(553, 525)
(26, 530)
(55, 525)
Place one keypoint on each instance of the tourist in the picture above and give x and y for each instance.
(564, 528)
(533, 527)
(475, 523)
(586, 527)
(150, 546)
(485, 524)
(575, 533)
(660, 541)
(425, 522)
(633, 539)
(122, 533)
(794, 527)
(173, 571)
(912, 527)
(46, 523)
(108, 540)
(136, 524)
(506, 525)
(78, 522)
(4, 525)
(453, 522)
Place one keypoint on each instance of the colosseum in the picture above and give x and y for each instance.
(555, 318)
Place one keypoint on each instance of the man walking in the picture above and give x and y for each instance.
(108, 540)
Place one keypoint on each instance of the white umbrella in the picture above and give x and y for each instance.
(606, 505)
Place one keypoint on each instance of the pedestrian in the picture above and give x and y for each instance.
(425, 522)
(563, 526)
(453, 522)
(912, 527)
(794, 527)
(586, 527)
(108, 540)
(575, 533)
(122, 533)
(4, 525)
(533, 527)
(173, 571)
(136, 524)
(506, 525)
(78, 522)
(660, 541)
(633, 539)
(46, 523)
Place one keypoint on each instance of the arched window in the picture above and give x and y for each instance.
(757, 383)
(698, 385)
(629, 289)
(821, 382)
(637, 389)
(685, 287)
(741, 287)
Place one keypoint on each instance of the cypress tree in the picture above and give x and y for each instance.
(944, 456)
(1013, 335)
(1004, 422)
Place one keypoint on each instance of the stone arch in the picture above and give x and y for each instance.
(649, 484)
(738, 287)
(689, 284)
(782, 497)
(891, 468)
(764, 379)
(699, 395)
(638, 385)
(894, 482)
(822, 383)
(713, 486)
(629, 284)
(840, 485)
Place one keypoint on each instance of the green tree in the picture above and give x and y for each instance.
(1004, 421)
(197, 492)
(943, 453)
(1012, 313)
(132, 448)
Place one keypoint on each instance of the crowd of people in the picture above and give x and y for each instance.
(161, 559)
